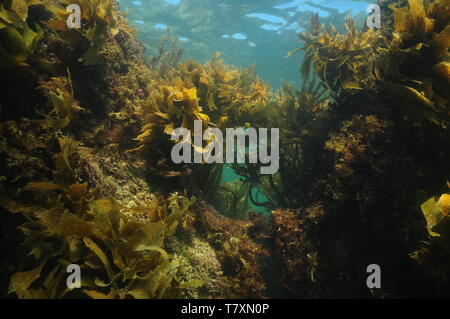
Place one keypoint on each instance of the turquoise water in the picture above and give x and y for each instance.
(246, 32)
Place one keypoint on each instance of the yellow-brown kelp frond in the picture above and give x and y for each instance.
(234, 97)
(168, 108)
(100, 21)
(18, 40)
(177, 104)
(433, 253)
(419, 20)
(120, 249)
(171, 107)
(229, 96)
(214, 93)
(120, 256)
(437, 215)
(339, 60)
(90, 92)
(415, 67)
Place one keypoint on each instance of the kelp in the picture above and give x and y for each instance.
(435, 250)
(120, 249)
(171, 107)
(294, 112)
(297, 108)
(231, 97)
(124, 249)
(414, 67)
(354, 166)
(410, 60)
(228, 96)
(18, 40)
(100, 20)
(214, 93)
(339, 60)
(437, 214)
(174, 107)
(120, 256)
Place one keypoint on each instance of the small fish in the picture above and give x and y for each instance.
(252, 44)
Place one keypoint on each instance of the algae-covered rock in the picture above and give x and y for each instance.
(85, 141)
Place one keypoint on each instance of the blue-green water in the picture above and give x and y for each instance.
(246, 32)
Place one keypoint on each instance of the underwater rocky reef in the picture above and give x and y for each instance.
(86, 176)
